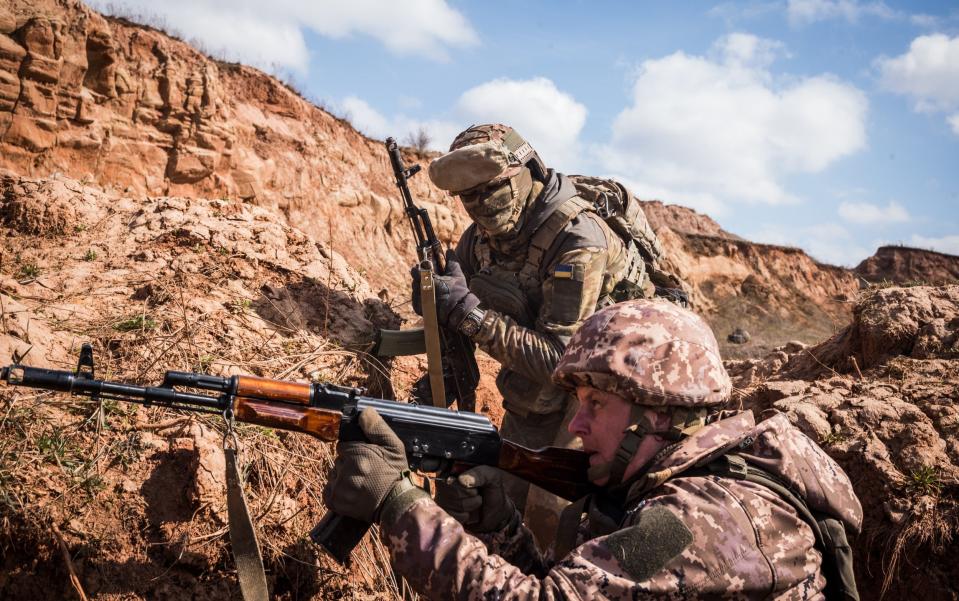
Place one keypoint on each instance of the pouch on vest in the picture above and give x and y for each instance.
(502, 296)
(523, 396)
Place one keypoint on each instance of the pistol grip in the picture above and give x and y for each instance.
(339, 535)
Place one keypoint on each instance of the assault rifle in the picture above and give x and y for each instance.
(451, 360)
(437, 440)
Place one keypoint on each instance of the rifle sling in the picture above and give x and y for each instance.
(431, 330)
(246, 551)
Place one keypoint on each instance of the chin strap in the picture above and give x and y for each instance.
(684, 422)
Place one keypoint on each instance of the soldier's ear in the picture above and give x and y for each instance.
(647, 547)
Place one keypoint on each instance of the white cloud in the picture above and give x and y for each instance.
(720, 129)
(945, 244)
(868, 214)
(747, 50)
(551, 120)
(825, 242)
(804, 12)
(928, 73)
(365, 118)
(547, 117)
(374, 124)
(270, 35)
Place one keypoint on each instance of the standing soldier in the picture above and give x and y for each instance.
(539, 258)
(693, 502)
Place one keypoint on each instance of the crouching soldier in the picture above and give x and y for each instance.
(692, 502)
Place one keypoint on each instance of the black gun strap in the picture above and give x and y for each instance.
(246, 551)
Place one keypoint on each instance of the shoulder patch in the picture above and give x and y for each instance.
(646, 547)
(563, 271)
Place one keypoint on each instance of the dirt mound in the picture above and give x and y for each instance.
(919, 322)
(891, 423)
(904, 265)
(136, 494)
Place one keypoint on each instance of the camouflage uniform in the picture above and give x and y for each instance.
(532, 314)
(661, 534)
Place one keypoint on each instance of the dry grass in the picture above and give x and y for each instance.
(60, 456)
(933, 524)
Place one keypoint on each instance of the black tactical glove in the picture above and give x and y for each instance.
(454, 300)
(364, 473)
(422, 392)
(476, 499)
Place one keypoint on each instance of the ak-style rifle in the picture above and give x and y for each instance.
(453, 373)
(437, 440)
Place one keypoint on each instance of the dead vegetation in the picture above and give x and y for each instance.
(135, 495)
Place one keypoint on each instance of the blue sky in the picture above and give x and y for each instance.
(832, 125)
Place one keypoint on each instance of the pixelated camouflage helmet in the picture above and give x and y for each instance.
(651, 352)
(482, 155)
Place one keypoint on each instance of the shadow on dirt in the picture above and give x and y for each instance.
(336, 315)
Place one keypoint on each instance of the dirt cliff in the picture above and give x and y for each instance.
(901, 265)
(775, 293)
(131, 109)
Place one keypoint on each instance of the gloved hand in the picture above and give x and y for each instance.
(422, 393)
(364, 473)
(476, 498)
(454, 300)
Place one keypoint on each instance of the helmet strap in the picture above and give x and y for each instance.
(684, 422)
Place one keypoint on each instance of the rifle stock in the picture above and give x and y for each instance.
(435, 439)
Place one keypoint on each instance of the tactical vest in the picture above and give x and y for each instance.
(620, 210)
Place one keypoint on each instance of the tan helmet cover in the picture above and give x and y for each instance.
(651, 352)
(470, 166)
(481, 155)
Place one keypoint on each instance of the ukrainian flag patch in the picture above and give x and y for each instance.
(563, 271)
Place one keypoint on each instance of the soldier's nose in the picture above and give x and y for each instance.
(579, 425)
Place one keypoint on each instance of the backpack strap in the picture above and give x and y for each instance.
(547, 233)
(830, 534)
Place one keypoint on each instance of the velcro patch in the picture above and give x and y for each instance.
(645, 548)
(563, 271)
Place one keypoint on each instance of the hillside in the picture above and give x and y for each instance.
(184, 213)
(901, 265)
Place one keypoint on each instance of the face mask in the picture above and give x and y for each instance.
(496, 209)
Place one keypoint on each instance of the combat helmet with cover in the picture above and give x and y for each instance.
(655, 354)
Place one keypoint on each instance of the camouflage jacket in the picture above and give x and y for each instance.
(738, 540)
(528, 323)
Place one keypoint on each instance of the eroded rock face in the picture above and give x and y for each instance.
(892, 421)
(901, 265)
(131, 109)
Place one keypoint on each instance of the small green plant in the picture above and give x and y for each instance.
(925, 481)
(140, 322)
(92, 484)
(91, 255)
(55, 448)
(29, 270)
(129, 450)
(837, 437)
(223, 252)
(204, 363)
(240, 305)
(80, 227)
